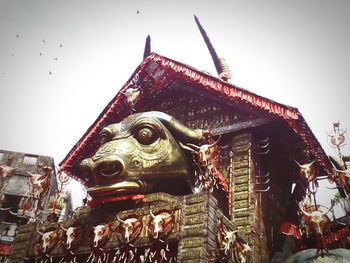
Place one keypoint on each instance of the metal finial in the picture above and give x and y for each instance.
(147, 47)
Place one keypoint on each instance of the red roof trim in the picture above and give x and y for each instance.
(227, 89)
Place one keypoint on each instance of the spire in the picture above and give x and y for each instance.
(147, 47)
(221, 66)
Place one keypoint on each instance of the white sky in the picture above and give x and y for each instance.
(294, 52)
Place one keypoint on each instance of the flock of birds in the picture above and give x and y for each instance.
(50, 72)
(60, 45)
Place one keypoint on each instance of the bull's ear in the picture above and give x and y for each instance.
(105, 135)
(177, 129)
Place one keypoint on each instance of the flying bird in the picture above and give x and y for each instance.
(17, 35)
(50, 72)
(56, 58)
(40, 54)
(137, 12)
(44, 41)
(61, 45)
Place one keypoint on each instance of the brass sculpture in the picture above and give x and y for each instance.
(140, 155)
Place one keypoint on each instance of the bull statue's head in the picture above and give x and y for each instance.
(140, 155)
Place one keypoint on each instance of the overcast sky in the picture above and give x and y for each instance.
(294, 52)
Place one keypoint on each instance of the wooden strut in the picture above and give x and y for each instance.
(240, 126)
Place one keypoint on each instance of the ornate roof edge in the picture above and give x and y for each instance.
(203, 81)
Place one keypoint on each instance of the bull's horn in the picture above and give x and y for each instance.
(302, 209)
(216, 142)
(186, 147)
(297, 163)
(233, 231)
(140, 217)
(121, 221)
(347, 172)
(311, 163)
(41, 233)
(165, 217)
(12, 213)
(65, 229)
(193, 145)
(153, 216)
(332, 205)
(5, 208)
(181, 131)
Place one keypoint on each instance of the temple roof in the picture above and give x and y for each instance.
(154, 74)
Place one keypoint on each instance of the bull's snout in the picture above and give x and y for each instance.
(110, 168)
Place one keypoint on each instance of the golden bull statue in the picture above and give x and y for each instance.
(140, 155)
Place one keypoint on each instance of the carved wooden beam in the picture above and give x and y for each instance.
(241, 126)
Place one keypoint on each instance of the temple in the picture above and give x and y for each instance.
(184, 166)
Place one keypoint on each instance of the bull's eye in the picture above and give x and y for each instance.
(146, 136)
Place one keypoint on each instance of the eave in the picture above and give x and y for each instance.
(160, 71)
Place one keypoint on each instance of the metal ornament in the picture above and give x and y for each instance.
(337, 138)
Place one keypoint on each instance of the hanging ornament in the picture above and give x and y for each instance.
(337, 137)
(64, 179)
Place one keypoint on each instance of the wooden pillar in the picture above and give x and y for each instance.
(246, 201)
(197, 243)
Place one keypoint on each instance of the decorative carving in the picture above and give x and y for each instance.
(207, 176)
(129, 229)
(316, 221)
(100, 236)
(231, 246)
(48, 240)
(161, 224)
(39, 182)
